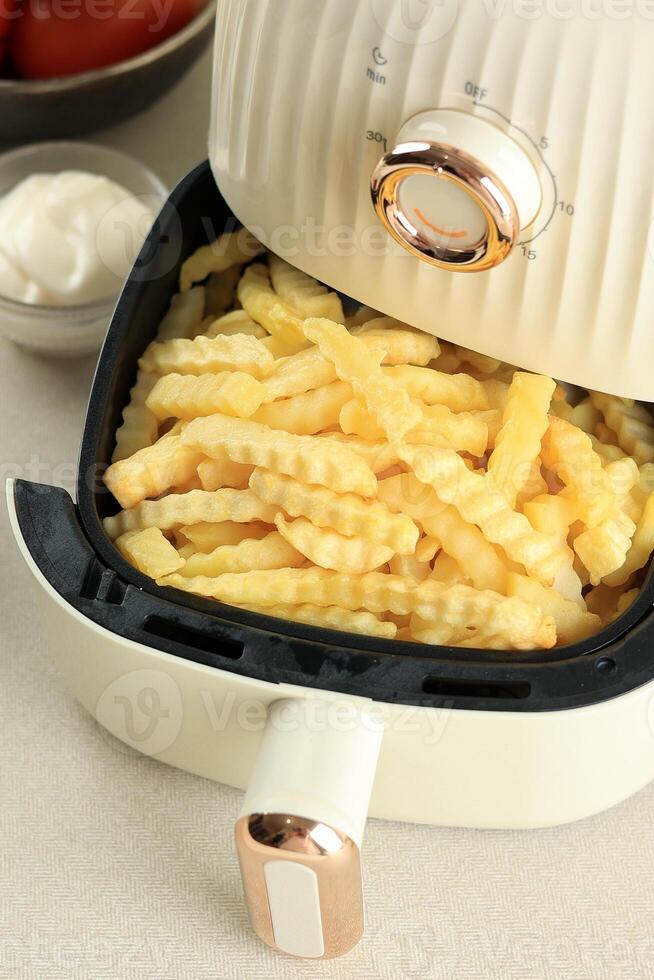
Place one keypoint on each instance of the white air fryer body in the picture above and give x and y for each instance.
(309, 94)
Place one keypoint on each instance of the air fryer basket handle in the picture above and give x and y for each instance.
(300, 829)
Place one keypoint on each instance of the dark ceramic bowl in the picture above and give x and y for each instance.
(64, 107)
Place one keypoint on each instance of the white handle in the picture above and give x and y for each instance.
(302, 822)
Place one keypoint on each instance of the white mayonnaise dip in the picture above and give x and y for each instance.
(68, 238)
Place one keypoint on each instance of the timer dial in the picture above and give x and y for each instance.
(456, 190)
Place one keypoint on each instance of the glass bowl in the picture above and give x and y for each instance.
(70, 331)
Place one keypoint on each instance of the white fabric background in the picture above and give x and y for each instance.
(113, 866)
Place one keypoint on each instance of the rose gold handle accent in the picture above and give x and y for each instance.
(448, 163)
(316, 913)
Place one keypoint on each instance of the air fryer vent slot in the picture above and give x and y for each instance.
(463, 688)
(168, 629)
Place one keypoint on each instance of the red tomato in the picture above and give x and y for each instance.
(7, 20)
(54, 38)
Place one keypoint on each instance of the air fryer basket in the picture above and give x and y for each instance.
(93, 576)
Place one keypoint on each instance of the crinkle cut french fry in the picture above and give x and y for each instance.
(437, 426)
(399, 343)
(263, 304)
(187, 396)
(642, 547)
(249, 555)
(427, 548)
(480, 502)
(209, 355)
(448, 571)
(302, 292)
(346, 512)
(232, 323)
(464, 542)
(518, 441)
(332, 617)
(330, 549)
(233, 248)
(603, 549)
(207, 537)
(458, 392)
(409, 567)
(151, 471)
(299, 373)
(215, 474)
(569, 453)
(632, 423)
(185, 313)
(150, 552)
(572, 623)
(523, 624)
(480, 362)
(198, 506)
(405, 494)
(380, 456)
(354, 363)
(311, 460)
(306, 414)
(139, 426)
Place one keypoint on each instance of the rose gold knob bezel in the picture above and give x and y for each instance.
(467, 173)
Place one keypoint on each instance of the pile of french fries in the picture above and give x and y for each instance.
(356, 474)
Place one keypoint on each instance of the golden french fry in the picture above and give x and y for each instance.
(409, 567)
(405, 494)
(397, 343)
(234, 248)
(360, 367)
(572, 623)
(518, 442)
(187, 396)
(477, 558)
(249, 555)
(209, 355)
(233, 323)
(311, 460)
(306, 414)
(139, 427)
(302, 293)
(151, 471)
(330, 549)
(458, 392)
(196, 507)
(641, 547)
(150, 552)
(522, 624)
(448, 571)
(437, 426)
(480, 502)
(632, 423)
(346, 512)
(569, 453)
(207, 537)
(603, 549)
(333, 618)
(215, 474)
(299, 373)
(427, 548)
(186, 312)
(380, 456)
(261, 302)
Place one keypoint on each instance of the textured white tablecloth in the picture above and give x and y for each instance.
(113, 866)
